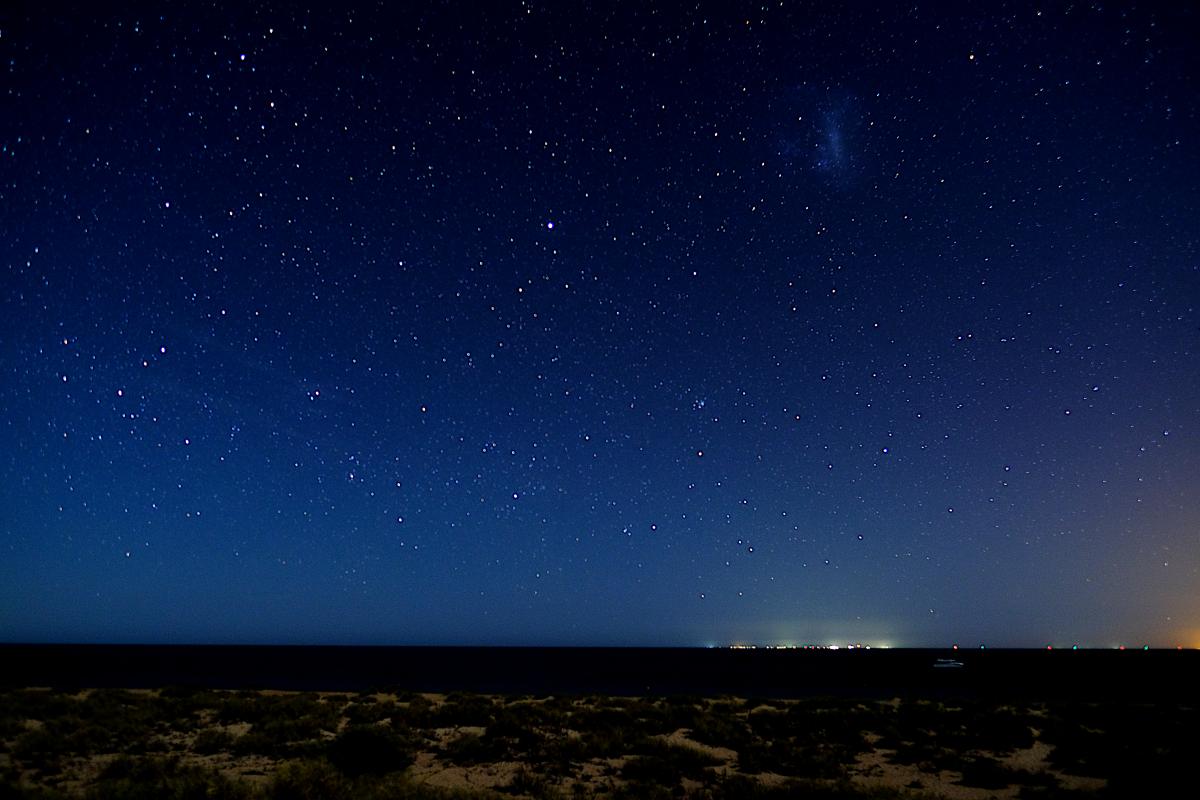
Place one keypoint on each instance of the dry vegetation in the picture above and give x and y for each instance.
(188, 743)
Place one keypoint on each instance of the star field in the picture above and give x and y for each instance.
(535, 324)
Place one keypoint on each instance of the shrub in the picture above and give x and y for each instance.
(999, 730)
(254, 743)
(770, 724)
(461, 709)
(664, 764)
(308, 780)
(416, 712)
(213, 740)
(366, 713)
(526, 783)
(40, 749)
(369, 751)
(680, 712)
(471, 748)
(609, 742)
(163, 779)
(721, 728)
(814, 762)
(517, 733)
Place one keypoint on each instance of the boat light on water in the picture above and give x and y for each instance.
(948, 663)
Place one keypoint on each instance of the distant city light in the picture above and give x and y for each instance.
(850, 646)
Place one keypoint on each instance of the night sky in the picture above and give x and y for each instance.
(574, 324)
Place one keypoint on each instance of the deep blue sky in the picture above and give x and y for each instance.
(555, 324)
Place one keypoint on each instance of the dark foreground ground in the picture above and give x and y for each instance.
(207, 743)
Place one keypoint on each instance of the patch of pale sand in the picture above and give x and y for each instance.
(948, 786)
(318, 693)
(1037, 759)
(601, 776)
(235, 729)
(531, 700)
(378, 697)
(392, 697)
(253, 768)
(595, 769)
(177, 741)
(680, 738)
(769, 779)
(873, 770)
(443, 736)
(692, 787)
(424, 761)
(79, 773)
(1032, 758)
(428, 770)
(598, 775)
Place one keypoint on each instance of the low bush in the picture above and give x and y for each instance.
(462, 710)
(307, 780)
(361, 713)
(369, 750)
(213, 740)
(784, 757)
(163, 779)
(253, 743)
(472, 748)
(529, 784)
(719, 727)
(665, 764)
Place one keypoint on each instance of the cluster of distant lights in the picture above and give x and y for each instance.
(855, 646)
(1077, 647)
(861, 646)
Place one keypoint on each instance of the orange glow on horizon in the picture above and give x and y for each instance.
(1190, 638)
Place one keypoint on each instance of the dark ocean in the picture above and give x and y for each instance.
(1086, 675)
